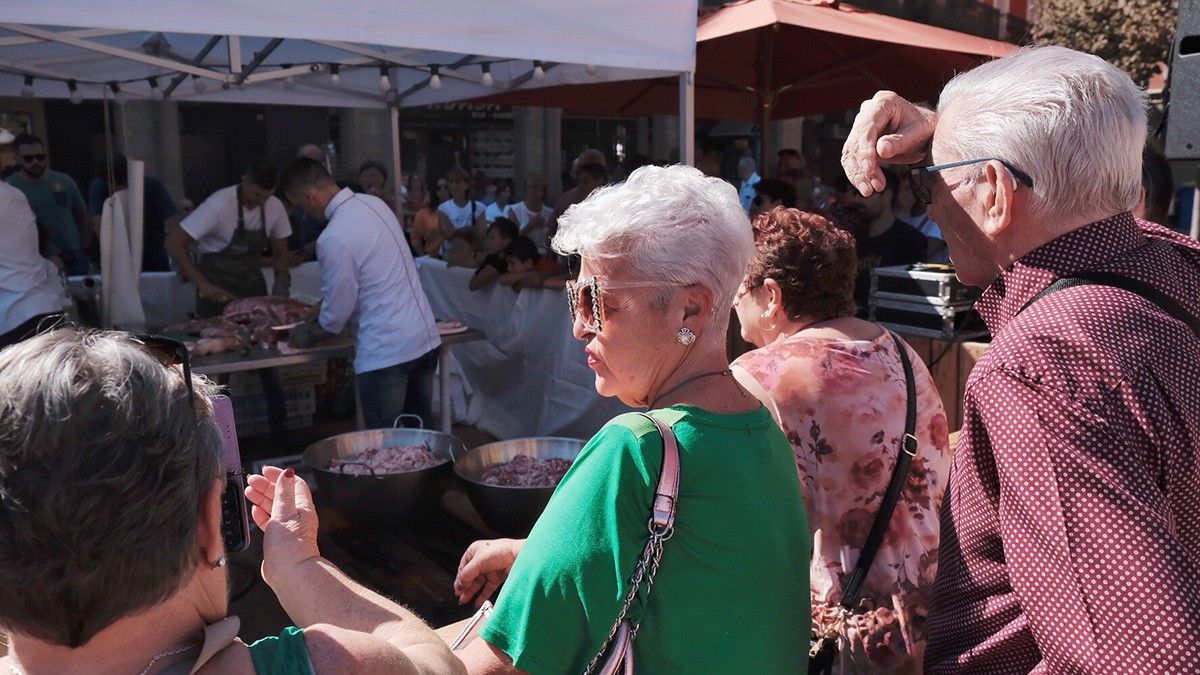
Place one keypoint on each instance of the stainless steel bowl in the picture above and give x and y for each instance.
(386, 498)
(511, 511)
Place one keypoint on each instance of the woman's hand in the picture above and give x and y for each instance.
(484, 567)
(283, 510)
(889, 129)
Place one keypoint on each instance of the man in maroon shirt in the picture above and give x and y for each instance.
(1071, 536)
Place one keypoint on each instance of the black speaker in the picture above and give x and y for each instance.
(1183, 86)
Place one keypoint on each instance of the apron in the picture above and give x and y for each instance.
(236, 268)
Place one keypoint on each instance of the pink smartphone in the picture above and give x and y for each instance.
(235, 516)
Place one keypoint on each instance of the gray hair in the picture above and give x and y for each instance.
(103, 463)
(592, 156)
(667, 224)
(1072, 121)
(312, 151)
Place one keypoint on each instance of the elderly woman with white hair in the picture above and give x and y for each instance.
(662, 255)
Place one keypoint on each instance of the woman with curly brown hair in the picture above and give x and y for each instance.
(836, 386)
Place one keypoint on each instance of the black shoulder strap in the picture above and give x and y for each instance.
(1164, 302)
(904, 458)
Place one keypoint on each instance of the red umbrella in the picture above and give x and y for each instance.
(758, 60)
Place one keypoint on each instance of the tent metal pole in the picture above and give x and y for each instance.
(687, 119)
(396, 180)
(197, 60)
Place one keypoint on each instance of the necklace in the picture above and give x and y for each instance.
(689, 381)
(153, 659)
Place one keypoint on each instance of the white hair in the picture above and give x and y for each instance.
(1075, 123)
(666, 224)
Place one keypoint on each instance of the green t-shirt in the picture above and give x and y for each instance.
(54, 199)
(285, 654)
(732, 593)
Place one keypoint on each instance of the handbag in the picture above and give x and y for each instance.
(823, 651)
(616, 654)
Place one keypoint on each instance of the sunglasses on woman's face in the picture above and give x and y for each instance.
(584, 297)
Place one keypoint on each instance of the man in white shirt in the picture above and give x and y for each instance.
(230, 231)
(368, 283)
(749, 177)
(31, 298)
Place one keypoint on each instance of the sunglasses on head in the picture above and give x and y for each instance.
(36, 157)
(170, 353)
(585, 299)
(921, 180)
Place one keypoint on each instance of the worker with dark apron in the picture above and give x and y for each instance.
(236, 268)
(231, 230)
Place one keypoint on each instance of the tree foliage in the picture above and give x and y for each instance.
(1133, 34)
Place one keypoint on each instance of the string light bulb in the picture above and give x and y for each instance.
(335, 74)
(197, 84)
(155, 92)
(385, 82)
(435, 80)
(487, 79)
(539, 73)
(27, 89)
(73, 87)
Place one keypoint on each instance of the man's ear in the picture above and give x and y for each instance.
(999, 193)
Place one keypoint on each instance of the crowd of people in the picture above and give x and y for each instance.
(1061, 535)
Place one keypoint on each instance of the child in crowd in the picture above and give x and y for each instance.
(526, 269)
(461, 249)
(500, 235)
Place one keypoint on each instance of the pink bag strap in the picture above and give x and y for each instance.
(666, 497)
(619, 643)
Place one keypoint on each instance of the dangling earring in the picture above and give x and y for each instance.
(219, 562)
(685, 336)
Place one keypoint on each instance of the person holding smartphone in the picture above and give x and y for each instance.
(111, 522)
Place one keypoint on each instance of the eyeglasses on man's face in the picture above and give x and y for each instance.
(920, 178)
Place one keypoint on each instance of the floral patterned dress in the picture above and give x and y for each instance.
(842, 405)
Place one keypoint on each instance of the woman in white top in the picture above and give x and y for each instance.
(532, 214)
(504, 192)
(459, 211)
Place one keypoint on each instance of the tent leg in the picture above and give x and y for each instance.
(687, 119)
(396, 179)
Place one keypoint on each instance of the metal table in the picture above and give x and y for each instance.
(256, 359)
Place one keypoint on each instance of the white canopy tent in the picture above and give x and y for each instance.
(363, 53)
(358, 54)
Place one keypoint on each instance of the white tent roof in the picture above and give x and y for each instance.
(284, 51)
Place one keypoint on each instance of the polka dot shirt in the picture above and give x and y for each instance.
(1071, 528)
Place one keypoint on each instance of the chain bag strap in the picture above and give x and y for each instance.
(616, 654)
(824, 648)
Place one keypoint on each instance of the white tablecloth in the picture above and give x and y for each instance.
(168, 299)
(530, 377)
